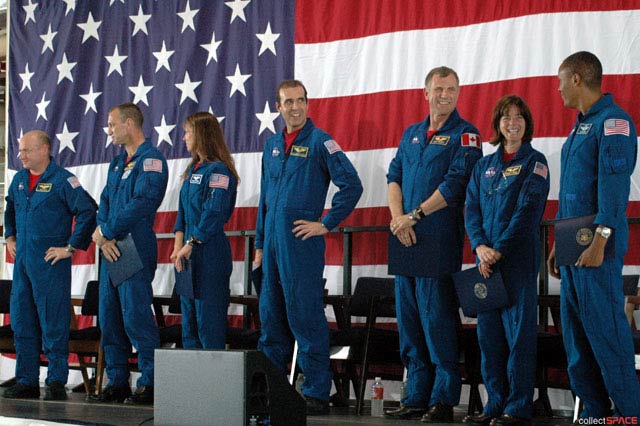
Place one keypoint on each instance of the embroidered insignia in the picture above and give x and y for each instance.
(332, 146)
(440, 140)
(300, 151)
(490, 172)
(74, 182)
(512, 171)
(218, 180)
(540, 169)
(44, 187)
(152, 165)
(196, 179)
(471, 139)
(583, 129)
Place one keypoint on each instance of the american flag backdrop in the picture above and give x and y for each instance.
(363, 62)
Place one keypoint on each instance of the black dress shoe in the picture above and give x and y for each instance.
(55, 392)
(405, 412)
(439, 413)
(316, 407)
(21, 391)
(479, 419)
(142, 396)
(509, 420)
(111, 394)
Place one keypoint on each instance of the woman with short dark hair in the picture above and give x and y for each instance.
(506, 197)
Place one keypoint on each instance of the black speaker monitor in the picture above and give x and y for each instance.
(225, 388)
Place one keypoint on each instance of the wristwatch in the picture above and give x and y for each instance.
(192, 241)
(603, 231)
(70, 249)
(416, 214)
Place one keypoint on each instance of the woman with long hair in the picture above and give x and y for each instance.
(207, 199)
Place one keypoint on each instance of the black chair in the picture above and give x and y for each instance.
(245, 337)
(170, 335)
(551, 355)
(373, 348)
(6, 333)
(85, 342)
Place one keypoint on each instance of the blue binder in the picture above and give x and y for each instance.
(417, 260)
(127, 264)
(574, 235)
(184, 280)
(477, 294)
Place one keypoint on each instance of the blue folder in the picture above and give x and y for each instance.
(184, 280)
(127, 264)
(477, 294)
(417, 260)
(574, 235)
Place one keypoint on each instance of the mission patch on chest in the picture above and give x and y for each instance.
(300, 151)
(440, 140)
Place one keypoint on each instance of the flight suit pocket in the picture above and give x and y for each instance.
(615, 160)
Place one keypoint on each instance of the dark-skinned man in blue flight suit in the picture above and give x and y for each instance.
(42, 247)
(297, 166)
(427, 181)
(136, 183)
(597, 160)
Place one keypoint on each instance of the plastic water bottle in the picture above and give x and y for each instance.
(377, 398)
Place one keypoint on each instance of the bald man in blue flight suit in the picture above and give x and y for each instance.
(427, 182)
(598, 158)
(136, 183)
(42, 247)
(297, 166)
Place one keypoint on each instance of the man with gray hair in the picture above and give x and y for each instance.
(42, 248)
(427, 184)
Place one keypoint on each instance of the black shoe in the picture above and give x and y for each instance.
(509, 420)
(21, 391)
(55, 392)
(142, 396)
(316, 407)
(405, 412)
(439, 413)
(111, 394)
(480, 419)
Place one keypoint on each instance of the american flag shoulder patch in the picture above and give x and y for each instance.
(74, 182)
(332, 146)
(616, 126)
(152, 165)
(218, 180)
(541, 169)
(471, 139)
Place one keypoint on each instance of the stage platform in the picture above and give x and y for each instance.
(76, 411)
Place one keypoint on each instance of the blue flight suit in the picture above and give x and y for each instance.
(41, 293)
(427, 307)
(207, 200)
(294, 186)
(504, 207)
(595, 179)
(128, 205)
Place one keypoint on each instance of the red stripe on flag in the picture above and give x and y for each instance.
(364, 122)
(353, 19)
